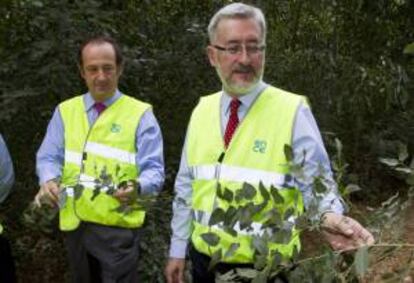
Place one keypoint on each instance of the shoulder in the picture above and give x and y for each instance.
(71, 101)
(134, 101)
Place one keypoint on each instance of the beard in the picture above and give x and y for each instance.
(237, 88)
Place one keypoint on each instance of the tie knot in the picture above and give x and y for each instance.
(99, 107)
(234, 105)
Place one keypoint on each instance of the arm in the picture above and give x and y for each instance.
(340, 231)
(149, 158)
(180, 223)
(309, 150)
(6, 171)
(50, 158)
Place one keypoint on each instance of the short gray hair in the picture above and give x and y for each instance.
(237, 11)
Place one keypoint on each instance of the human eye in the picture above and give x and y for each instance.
(254, 49)
(91, 69)
(108, 68)
(234, 49)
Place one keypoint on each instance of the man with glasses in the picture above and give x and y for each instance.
(102, 150)
(240, 136)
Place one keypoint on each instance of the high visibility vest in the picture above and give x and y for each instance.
(255, 154)
(107, 146)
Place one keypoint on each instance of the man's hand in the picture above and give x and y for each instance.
(48, 193)
(174, 271)
(127, 193)
(344, 233)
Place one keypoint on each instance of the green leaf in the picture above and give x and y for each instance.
(63, 196)
(288, 152)
(302, 222)
(219, 191)
(262, 277)
(283, 236)
(77, 191)
(351, 188)
(260, 245)
(392, 162)
(247, 273)
(245, 216)
(230, 231)
(231, 216)
(319, 186)
(264, 192)
(260, 261)
(227, 195)
(277, 197)
(288, 213)
(361, 261)
(217, 216)
(248, 191)
(233, 248)
(409, 49)
(211, 238)
(95, 192)
(215, 258)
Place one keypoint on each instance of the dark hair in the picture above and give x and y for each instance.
(100, 40)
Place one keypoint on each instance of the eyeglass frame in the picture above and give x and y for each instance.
(238, 49)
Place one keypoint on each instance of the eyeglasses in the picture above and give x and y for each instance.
(238, 49)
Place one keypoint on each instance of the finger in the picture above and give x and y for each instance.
(37, 200)
(52, 196)
(344, 226)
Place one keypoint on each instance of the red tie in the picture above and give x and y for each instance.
(99, 107)
(233, 121)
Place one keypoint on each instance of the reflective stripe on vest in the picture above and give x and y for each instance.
(107, 147)
(241, 175)
(255, 154)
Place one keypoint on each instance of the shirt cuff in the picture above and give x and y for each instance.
(47, 176)
(178, 249)
(147, 187)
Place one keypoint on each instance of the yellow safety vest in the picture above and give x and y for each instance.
(106, 146)
(255, 154)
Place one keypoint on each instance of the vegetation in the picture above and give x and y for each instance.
(354, 60)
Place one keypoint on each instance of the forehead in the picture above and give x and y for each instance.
(238, 30)
(94, 52)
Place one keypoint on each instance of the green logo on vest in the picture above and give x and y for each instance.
(259, 146)
(115, 128)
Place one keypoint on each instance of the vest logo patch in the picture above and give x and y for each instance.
(259, 146)
(115, 128)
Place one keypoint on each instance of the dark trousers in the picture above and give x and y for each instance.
(104, 254)
(201, 274)
(7, 269)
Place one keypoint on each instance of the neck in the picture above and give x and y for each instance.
(102, 97)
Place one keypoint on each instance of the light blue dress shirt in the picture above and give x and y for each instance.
(306, 138)
(6, 171)
(150, 158)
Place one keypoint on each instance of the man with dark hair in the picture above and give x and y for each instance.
(240, 135)
(102, 150)
(7, 269)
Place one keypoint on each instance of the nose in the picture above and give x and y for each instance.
(100, 74)
(244, 57)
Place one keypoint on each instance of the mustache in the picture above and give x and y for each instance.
(244, 69)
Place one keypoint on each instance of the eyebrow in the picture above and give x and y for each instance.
(234, 41)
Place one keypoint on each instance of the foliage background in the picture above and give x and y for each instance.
(346, 56)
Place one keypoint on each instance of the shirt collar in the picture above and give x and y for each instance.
(246, 99)
(89, 101)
